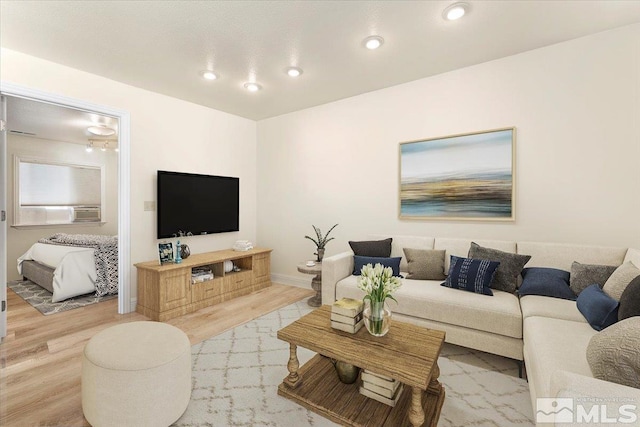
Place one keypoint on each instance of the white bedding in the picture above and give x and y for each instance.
(74, 268)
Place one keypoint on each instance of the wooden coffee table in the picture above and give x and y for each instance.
(406, 353)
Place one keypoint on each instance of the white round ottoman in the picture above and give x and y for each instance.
(136, 374)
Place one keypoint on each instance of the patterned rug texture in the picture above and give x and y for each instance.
(40, 298)
(236, 376)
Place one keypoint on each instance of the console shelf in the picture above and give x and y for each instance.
(166, 291)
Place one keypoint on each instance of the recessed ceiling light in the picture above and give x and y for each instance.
(208, 74)
(455, 11)
(101, 130)
(373, 42)
(294, 71)
(252, 86)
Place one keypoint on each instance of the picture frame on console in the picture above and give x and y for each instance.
(165, 253)
(459, 177)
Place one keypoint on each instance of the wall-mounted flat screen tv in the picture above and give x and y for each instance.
(197, 204)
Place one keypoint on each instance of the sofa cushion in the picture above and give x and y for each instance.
(550, 282)
(398, 244)
(633, 255)
(613, 353)
(560, 255)
(361, 261)
(630, 300)
(424, 264)
(583, 275)
(620, 279)
(598, 308)
(555, 308)
(554, 344)
(506, 277)
(377, 248)
(472, 275)
(460, 247)
(426, 299)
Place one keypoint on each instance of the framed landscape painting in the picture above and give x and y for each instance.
(459, 177)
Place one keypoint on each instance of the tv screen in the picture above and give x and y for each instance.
(198, 204)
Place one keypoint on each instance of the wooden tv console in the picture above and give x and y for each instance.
(166, 291)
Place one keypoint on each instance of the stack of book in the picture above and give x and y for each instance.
(346, 315)
(201, 274)
(383, 389)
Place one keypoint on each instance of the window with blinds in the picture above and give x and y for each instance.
(56, 193)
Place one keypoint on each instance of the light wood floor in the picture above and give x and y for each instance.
(40, 359)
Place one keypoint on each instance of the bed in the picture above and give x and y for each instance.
(69, 265)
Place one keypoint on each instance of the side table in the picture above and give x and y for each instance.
(316, 282)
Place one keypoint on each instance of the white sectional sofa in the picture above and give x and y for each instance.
(549, 334)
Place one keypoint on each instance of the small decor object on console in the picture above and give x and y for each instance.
(178, 253)
(165, 253)
(379, 283)
(346, 315)
(320, 241)
(185, 251)
(242, 245)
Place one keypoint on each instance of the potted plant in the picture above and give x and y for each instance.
(320, 241)
(378, 283)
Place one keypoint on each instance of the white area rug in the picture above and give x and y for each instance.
(236, 376)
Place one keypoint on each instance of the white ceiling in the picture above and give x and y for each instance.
(46, 121)
(163, 45)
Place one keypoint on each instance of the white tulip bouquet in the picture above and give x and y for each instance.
(379, 283)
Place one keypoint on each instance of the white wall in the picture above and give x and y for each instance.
(166, 133)
(20, 239)
(576, 107)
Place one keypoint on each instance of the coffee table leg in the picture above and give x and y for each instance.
(316, 285)
(293, 380)
(416, 413)
(434, 385)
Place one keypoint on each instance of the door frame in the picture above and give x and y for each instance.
(124, 183)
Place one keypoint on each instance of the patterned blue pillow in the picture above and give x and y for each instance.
(598, 308)
(473, 275)
(361, 261)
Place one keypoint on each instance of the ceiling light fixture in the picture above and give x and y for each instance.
(373, 42)
(101, 130)
(294, 71)
(208, 74)
(455, 11)
(252, 86)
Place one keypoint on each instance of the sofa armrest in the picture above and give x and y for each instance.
(334, 269)
(588, 391)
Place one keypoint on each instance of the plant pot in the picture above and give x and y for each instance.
(377, 317)
(320, 255)
(347, 373)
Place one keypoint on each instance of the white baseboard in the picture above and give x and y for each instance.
(300, 282)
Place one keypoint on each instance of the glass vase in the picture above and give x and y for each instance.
(377, 317)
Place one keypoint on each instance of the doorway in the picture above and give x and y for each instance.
(123, 185)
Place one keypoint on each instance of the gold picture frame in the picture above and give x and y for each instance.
(469, 177)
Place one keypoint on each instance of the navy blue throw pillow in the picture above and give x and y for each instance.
(598, 308)
(548, 282)
(473, 275)
(361, 261)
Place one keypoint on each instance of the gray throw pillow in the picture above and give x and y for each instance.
(613, 353)
(630, 300)
(425, 264)
(620, 279)
(583, 275)
(376, 248)
(511, 265)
